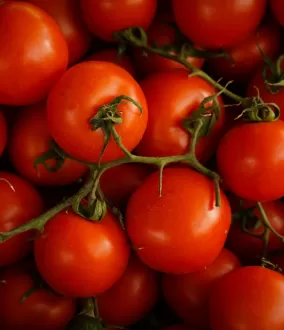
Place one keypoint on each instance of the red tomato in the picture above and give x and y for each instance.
(90, 85)
(171, 234)
(81, 258)
(3, 133)
(188, 295)
(246, 56)
(19, 203)
(67, 15)
(42, 310)
(29, 140)
(105, 18)
(33, 53)
(250, 298)
(250, 160)
(224, 23)
(277, 7)
(132, 297)
(172, 96)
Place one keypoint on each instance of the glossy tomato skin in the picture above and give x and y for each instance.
(91, 255)
(132, 296)
(277, 7)
(250, 161)
(90, 85)
(33, 58)
(251, 296)
(188, 295)
(3, 133)
(105, 18)
(220, 19)
(180, 95)
(29, 140)
(19, 203)
(171, 234)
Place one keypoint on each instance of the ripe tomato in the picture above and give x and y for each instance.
(33, 53)
(19, 203)
(91, 255)
(105, 18)
(171, 234)
(180, 95)
(3, 133)
(42, 310)
(220, 20)
(277, 10)
(76, 98)
(249, 158)
(188, 295)
(131, 297)
(249, 296)
(29, 140)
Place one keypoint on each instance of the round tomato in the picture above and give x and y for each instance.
(106, 18)
(173, 96)
(224, 23)
(33, 53)
(249, 296)
(76, 98)
(3, 133)
(81, 258)
(188, 295)
(277, 7)
(131, 297)
(29, 140)
(171, 234)
(250, 160)
(19, 203)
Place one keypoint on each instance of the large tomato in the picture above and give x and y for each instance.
(277, 7)
(188, 295)
(218, 23)
(33, 53)
(3, 133)
(30, 139)
(81, 258)
(173, 96)
(132, 297)
(105, 18)
(248, 298)
(250, 160)
(76, 98)
(170, 233)
(19, 203)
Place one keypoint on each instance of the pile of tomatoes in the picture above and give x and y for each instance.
(115, 212)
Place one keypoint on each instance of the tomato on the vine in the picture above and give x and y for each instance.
(277, 7)
(3, 133)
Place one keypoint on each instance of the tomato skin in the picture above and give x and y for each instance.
(220, 19)
(29, 68)
(253, 170)
(19, 203)
(180, 95)
(261, 309)
(188, 295)
(277, 10)
(3, 133)
(105, 18)
(156, 224)
(92, 255)
(89, 86)
(132, 296)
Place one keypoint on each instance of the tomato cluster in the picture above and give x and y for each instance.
(137, 188)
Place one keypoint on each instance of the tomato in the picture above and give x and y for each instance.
(91, 255)
(156, 224)
(106, 18)
(3, 133)
(90, 85)
(188, 295)
(250, 297)
(277, 10)
(218, 23)
(250, 161)
(246, 56)
(163, 35)
(67, 15)
(33, 53)
(132, 297)
(180, 95)
(41, 310)
(29, 140)
(19, 203)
